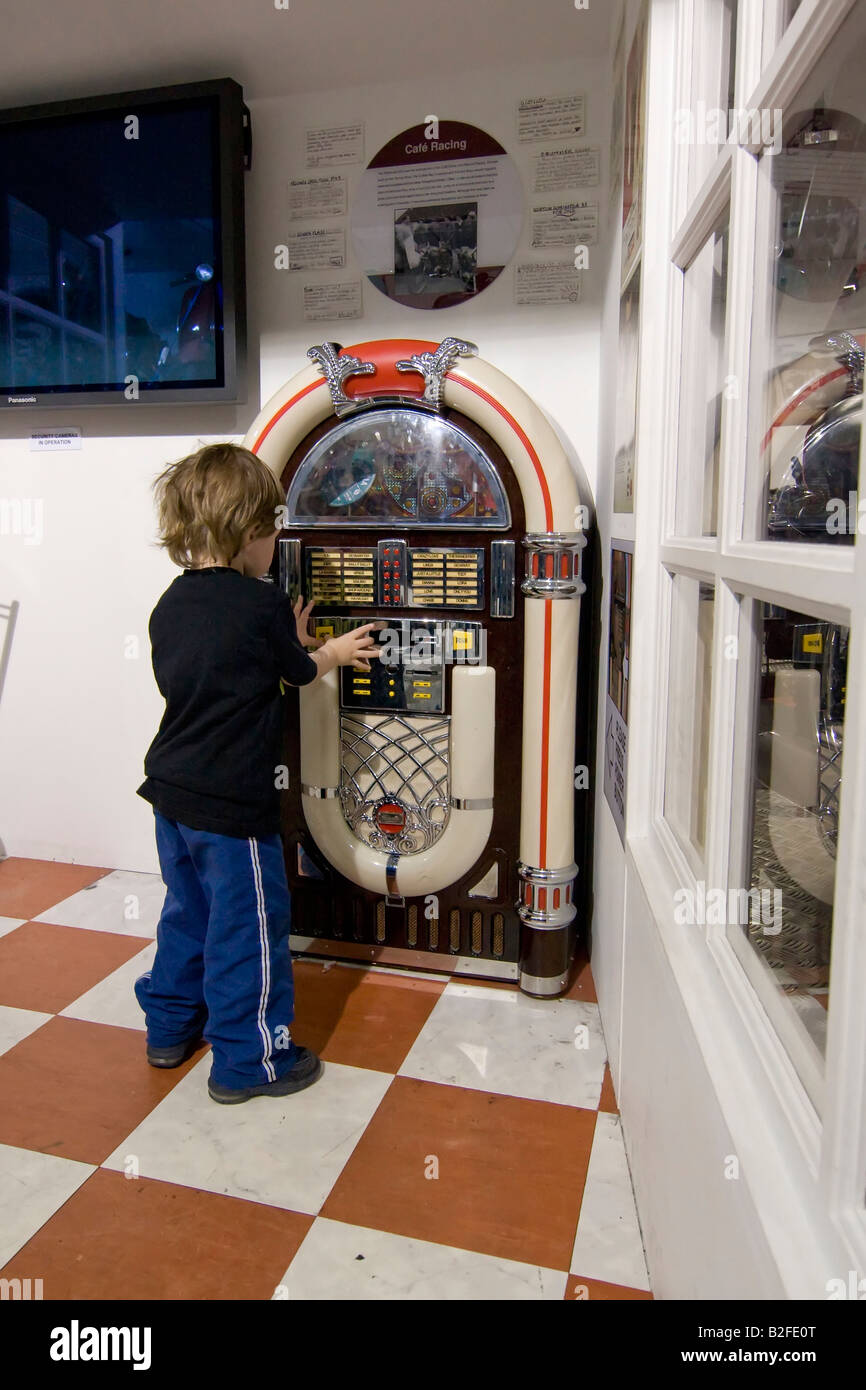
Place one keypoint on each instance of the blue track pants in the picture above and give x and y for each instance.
(223, 968)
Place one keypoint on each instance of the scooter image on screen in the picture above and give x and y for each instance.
(192, 355)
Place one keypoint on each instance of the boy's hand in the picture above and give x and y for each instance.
(356, 647)
(302, 617)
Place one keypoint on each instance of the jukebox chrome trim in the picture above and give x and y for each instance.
(553, 564)
(290, 567)
(546, 898)
(434, 366)
(546, 986)
(397, 760)
(336, 369)
(502, 579)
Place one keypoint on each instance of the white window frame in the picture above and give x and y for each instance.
(755, 1076)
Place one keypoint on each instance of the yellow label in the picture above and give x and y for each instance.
(813, 642)
(462, 642)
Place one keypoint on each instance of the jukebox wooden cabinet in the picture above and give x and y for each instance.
(429, 819)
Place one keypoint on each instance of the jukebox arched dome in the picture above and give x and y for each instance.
(405, 466)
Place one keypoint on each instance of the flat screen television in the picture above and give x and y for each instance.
(122, 248)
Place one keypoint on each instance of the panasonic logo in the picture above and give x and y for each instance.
(20, 400)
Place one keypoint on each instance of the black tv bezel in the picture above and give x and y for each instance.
(233, 137)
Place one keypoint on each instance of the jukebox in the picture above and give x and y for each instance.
(429, 820)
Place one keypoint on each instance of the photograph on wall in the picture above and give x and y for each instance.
(436, 245)
(616, 701)
(437, 215)
(625, 417)
(633, 154)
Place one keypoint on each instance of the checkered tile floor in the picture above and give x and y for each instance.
(459, 1144)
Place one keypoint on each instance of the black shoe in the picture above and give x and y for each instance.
(172, 1056)
(307, 1069)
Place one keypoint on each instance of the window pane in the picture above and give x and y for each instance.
(810, 311)
(787, 918)
(702, 383)
(688, 733)
(713, 77)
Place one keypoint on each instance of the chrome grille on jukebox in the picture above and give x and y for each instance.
(394, 785)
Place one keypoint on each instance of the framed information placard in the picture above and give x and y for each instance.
(438, 214)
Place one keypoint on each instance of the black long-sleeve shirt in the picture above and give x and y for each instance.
(221, 642)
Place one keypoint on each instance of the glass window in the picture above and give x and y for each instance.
(402, 465)
(688, 731)
(784, 912)
(702, 384)
(810, 312)
(713, 85)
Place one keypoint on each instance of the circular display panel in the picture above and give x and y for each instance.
(438, 215)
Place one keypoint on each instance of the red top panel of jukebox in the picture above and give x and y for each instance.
(384, 355)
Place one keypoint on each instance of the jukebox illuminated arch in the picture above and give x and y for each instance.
(421, 372)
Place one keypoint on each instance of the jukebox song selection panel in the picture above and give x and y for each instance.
(395, 575)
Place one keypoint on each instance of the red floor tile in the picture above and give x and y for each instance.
(28, 887)
(135, 1238)
(45, 967)
(78, 1089)
(607, 1103)
(511, 1171)
(358, 1018)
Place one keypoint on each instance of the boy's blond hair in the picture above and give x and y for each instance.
(207, 502)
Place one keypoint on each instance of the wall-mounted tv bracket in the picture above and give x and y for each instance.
(247, 137)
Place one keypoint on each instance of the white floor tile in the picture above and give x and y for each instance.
(327, 1267)
(123, 902)
(113, 999)
(286, 1152)
(497, 1040)
(16, 1024)
(33, 1186)
(8, 924)
(608, 1242)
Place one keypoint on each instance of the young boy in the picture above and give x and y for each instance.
(222, 643)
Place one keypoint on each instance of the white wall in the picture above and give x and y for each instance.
(78, 713)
